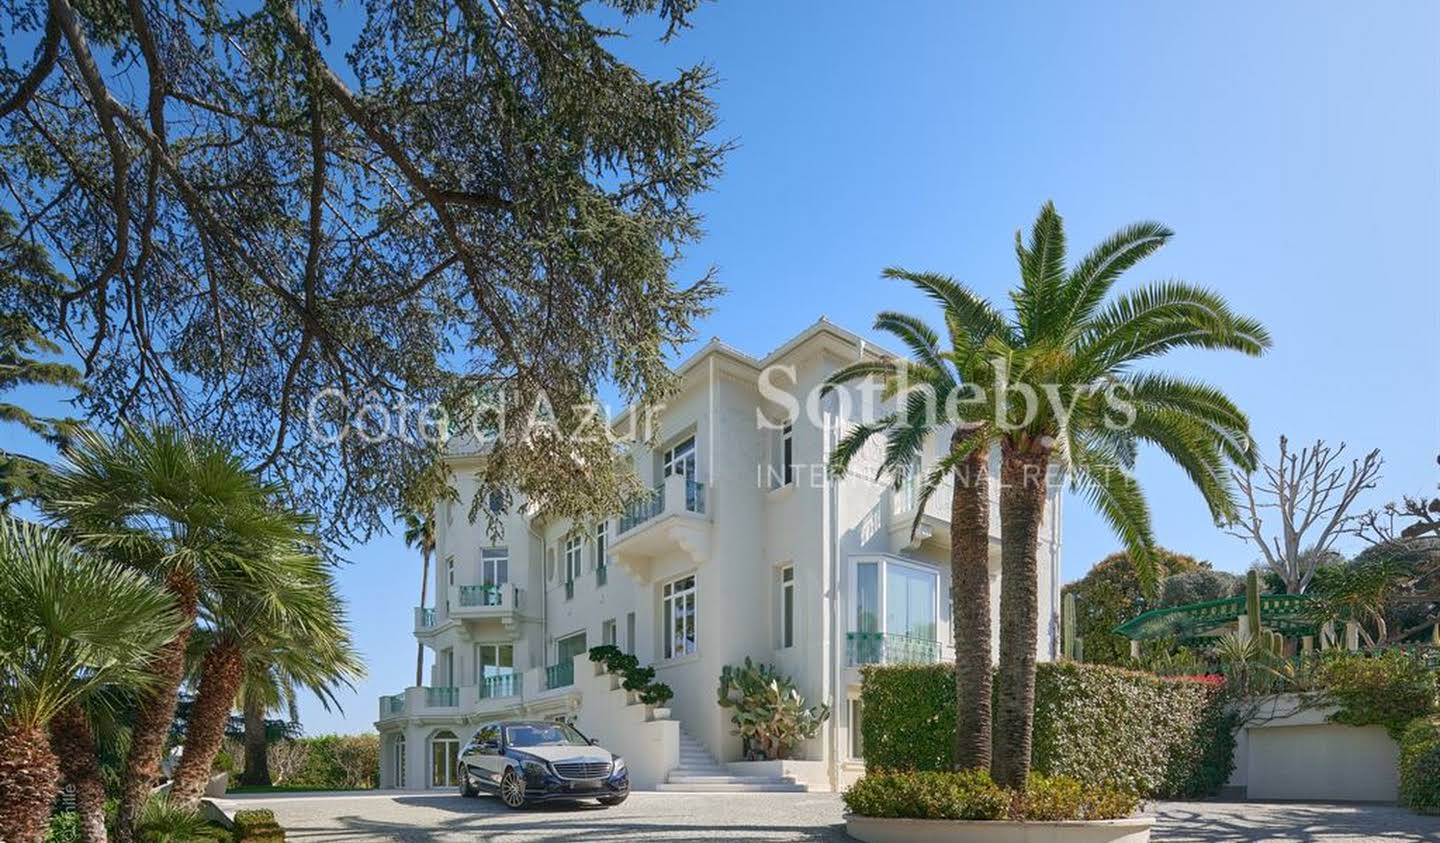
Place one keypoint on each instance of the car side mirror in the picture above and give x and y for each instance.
(594, 741)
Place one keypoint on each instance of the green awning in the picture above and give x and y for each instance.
(1288, 614)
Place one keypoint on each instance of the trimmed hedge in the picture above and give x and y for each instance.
(1420, 766)
(1158, 737)
(971, 795)
(257, 826)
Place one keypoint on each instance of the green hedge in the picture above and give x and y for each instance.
(257, 826)
(1420, 766)
(971, 795)
(1163, 738)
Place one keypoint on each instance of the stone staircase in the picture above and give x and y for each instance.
(699, 772)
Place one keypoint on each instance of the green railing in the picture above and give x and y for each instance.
(427, 618)
(394, 704)
(643, 510)
(500, 685)
(560, 675)
(880, 648)
(601, 577)
(442, 697)
(481, 595)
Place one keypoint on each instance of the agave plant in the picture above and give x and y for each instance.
(770, 713)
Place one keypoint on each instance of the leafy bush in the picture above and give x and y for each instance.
(1420, 765)
(224, 762)
(1198, 586)
(1158, 737)
(64, 828)
(971, 795)
(1390, 688)
(161, 821)
(257, 826)
(770, 715)
(635, 678)
(1110, 594)
(328, 762)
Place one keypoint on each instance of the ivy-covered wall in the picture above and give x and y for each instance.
(1160, 737)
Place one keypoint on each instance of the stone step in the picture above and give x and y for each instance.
(740, 785)
(721, 778)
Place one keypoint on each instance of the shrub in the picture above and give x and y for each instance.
(331, 762)
(1389, 689)
(1110, 594)
(224, 762)
(770, 715)
(971, 795)
(64, 827)
(257, 826)
(163, 822)
(1420, 765)
(635, 678)
(1158, 737)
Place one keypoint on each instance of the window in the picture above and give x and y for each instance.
(896, 598)
(449, 579)
(678, 612)
(444, 758)
(630, 633)
(447, 667)
(782, 472)
(489, 733)
(608, 633)
(573, 558)
(494, 660)
(398, 761)
(602, 543)
(496, 502)
(680, 459)
(549, 564)
(569, 647)
(787, 606)
(857, 723)
(495, 566)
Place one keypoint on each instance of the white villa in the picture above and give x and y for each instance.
(748, 549)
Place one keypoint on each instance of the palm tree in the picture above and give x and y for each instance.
(183, 510)
(69, 624)
(1072, 349)
(420, 533)
(926, 390)
(292, 620)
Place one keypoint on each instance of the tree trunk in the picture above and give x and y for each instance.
(420, 648)
(74, 746)
(221, 674)
(29, 776)
(1023, 491)
(970, 608)
(155, 714)
(257, 761)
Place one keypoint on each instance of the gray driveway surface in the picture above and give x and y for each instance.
(442, 818)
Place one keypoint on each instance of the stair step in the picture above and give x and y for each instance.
(741, 786)
(724, 779)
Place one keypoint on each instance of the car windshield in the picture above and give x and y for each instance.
(547, 734)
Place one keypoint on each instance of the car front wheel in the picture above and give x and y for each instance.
(467, 788)
(512, 789)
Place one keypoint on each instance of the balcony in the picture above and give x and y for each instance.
(442, 697)
(392, 706)
(425, 621)
(501, 685)
(560, 675)
(863, 648)
(486, 602)
(676, 515)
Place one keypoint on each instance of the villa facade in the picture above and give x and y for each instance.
(747, 548)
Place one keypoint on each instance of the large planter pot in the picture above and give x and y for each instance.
(887, 830)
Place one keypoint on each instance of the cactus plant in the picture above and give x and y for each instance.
(1252, 602)
(1067, 627)
(770, 714)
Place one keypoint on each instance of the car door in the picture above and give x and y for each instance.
(482, 756)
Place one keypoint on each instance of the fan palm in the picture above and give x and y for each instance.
(292, 620)
(184, 510)
(932, 393)
(1077, 354)
(420, 534)
(69, 624)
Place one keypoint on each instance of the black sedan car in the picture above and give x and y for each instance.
(525, 761)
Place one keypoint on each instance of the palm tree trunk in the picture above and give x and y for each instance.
(970, 612)
(74, 746)
(222, 672)
(420, 648)
(29, 776)
(156, 713)
(257, 761)
(1023, 491)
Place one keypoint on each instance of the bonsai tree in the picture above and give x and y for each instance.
(770, 714)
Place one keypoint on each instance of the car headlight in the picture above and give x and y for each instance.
(533, 766)
(618, 766)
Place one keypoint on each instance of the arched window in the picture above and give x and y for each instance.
(398, 761)
(444, 757)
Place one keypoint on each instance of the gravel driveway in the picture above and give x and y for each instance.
(443, 818)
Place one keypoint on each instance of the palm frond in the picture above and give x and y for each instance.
(1092, 279)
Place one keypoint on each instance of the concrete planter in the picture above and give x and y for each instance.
(887, 830)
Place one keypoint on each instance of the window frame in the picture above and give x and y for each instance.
(602, 542)
(488, 558)
(787, 606)
(574, 553)
(852, 621)
(671, 595)
(679, 456)
(495, 646)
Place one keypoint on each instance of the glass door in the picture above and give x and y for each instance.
(444, 756)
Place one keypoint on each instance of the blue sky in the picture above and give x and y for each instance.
(1294, 148)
